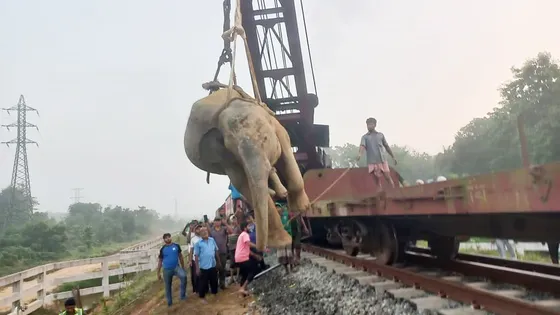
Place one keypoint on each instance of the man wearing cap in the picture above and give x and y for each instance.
(71, 309)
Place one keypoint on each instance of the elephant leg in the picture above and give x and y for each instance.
(297, 197)
(256, 166)
(279, 189)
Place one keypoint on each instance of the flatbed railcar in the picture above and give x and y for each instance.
(522, 204)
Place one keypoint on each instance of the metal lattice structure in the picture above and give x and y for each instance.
(273, 38)
(20, 171)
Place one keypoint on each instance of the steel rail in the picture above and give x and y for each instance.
(455, 291)
(528, 279)
(543, 268)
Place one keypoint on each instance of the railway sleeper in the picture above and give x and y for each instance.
(421, 298)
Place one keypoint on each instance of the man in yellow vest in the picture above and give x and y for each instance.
(71, 309)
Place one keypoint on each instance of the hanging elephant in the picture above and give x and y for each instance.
(230, 133)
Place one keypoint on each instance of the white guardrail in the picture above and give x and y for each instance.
(33, 287)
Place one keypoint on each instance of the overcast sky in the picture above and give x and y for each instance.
(114, 81)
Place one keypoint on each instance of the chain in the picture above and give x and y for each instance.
(226, 55)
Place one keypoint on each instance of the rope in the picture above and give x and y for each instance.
(231, 36)
(324, 192)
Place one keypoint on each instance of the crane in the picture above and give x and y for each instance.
(273, 39)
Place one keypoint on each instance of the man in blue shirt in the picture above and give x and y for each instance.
(207, 258)
(169, 258)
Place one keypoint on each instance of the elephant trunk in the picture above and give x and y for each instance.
(257, 169)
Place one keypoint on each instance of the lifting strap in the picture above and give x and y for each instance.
(229, 55)
(226, 55)
(231, 36)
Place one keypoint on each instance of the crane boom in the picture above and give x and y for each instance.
(273, 38)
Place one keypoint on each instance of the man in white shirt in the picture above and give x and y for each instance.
(195, 237)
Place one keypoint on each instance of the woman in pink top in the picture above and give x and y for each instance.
(242, 254)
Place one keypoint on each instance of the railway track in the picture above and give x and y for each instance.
(457, 287)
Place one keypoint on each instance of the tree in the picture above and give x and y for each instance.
(492, 143)
(16, 213)
(412, 165)
(345, 156)
(87, 236)
(32, 240)
(534, 93)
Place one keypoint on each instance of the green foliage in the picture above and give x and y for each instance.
(139, 288)
(88, 230)
(491, 143)
(87, 236)
(84, 284)
(412, 165)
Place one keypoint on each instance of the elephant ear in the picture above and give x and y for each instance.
(213, 152)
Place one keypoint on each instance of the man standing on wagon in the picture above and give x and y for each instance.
(374, 143)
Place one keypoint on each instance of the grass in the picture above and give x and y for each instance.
(90, 283)
(95, 251)
(144, 286)
(541, 257)
(100, 251)
(142, 283)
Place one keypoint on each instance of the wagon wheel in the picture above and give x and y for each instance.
(444, 247)
(385, 246)
(351, 248)
(352, 233)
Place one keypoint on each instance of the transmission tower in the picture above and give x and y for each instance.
(77, 197)
(20, 171)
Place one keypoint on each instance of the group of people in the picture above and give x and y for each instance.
(211, 245)
(206, 257)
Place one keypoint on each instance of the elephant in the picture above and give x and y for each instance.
(230, 133)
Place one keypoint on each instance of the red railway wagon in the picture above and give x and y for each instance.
(522, 204)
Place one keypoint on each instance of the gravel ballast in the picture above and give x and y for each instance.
(312, 290)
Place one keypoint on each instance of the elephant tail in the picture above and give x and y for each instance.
(257, 169)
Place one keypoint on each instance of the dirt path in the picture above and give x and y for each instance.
(62, 273)
(226, 302)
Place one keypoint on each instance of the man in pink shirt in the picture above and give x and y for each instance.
(242, 254)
